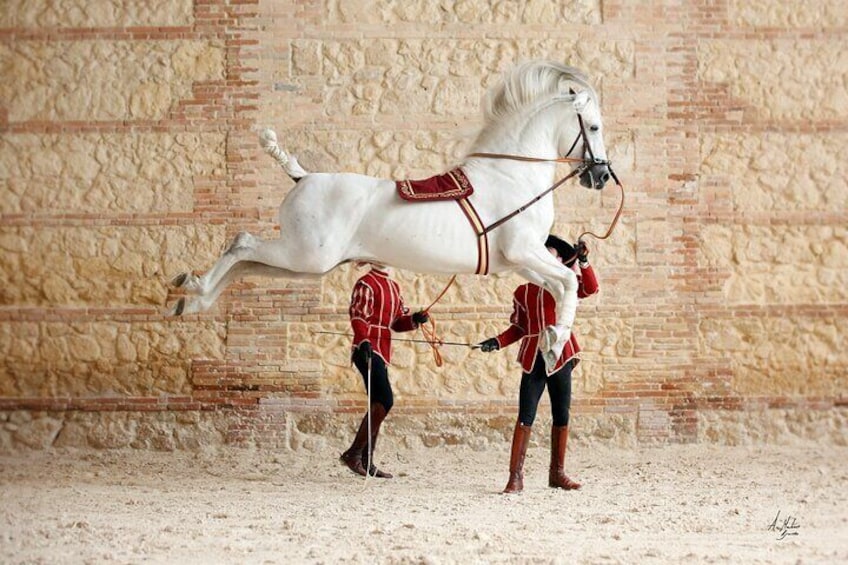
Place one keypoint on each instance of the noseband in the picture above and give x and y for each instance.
(592, 161)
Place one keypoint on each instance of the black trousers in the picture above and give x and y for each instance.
(559, 390)
(381, 388)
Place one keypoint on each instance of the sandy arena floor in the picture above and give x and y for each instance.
(704, 504)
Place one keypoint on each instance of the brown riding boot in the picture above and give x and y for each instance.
(378, 414)
(556, 476)
(353, 456)
(520, 439)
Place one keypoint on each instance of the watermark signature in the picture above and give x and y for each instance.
(784, 527)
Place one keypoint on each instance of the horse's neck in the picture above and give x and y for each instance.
(533, 138)
(536, 135)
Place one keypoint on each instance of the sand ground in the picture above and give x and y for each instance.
(674, 504)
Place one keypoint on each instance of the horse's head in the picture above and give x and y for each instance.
(588, 145)
(537, 101)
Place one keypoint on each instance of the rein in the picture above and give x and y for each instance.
(584, 164)
(526, 158)
(520, 209)
(430, 335)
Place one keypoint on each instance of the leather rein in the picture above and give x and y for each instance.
(585, 163)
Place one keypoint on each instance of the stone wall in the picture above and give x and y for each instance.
(129, 154)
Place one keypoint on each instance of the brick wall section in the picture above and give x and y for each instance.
(129, 154)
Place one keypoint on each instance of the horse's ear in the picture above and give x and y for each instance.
(580, 100)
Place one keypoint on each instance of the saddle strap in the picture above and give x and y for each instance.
(482, 236)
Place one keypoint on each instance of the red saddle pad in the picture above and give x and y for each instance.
(452, 185)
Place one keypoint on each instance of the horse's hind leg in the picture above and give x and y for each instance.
(252, 256)
(203, 290)
(199, 303)
(193, 284)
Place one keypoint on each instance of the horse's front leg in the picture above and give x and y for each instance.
(541, 268)
(202, 302)
(555, 337)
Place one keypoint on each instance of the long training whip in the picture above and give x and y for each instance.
(368, 415)
(395, 339)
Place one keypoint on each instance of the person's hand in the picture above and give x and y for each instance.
(582, 251)
(365, 348)
(420, 317)
(489, 345)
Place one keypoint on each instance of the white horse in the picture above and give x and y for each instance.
(540, 109)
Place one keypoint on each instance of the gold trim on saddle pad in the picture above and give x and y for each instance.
(449, 186)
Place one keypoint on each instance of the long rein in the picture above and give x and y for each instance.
(430, 335)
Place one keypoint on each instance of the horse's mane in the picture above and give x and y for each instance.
(527, 85)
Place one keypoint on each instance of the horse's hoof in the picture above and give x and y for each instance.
(188, 282)
(550, 359)
(176, 310)
(179, 280)
(549, 338)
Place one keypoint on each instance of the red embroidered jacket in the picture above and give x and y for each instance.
(534, 309)
(376, 308)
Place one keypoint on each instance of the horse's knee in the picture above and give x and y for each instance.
(564, 291)
(569, 281)
(555, 287)
(563, 286)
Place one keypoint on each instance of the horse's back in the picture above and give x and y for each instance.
(330, 191)
(315, 185)
(324, 207)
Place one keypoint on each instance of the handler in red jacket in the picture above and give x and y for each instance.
(534, 310)
(376, 309)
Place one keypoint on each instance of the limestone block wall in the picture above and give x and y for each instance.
(128, 154)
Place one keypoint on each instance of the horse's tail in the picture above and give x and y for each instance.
(268, 140)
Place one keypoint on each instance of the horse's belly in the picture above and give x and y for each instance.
(433, 237)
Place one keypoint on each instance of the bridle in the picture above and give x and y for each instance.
(566, 159)
(586, 162)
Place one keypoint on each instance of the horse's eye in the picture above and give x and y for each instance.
(594, 128)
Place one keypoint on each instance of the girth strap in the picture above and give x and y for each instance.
(482, 235)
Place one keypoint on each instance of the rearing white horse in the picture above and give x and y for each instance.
(542, 110)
